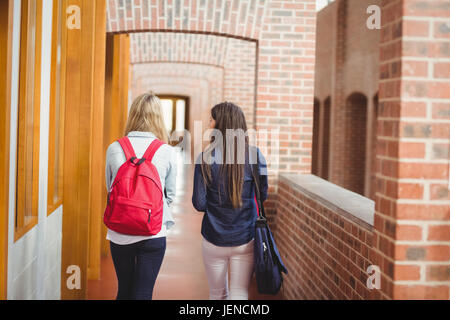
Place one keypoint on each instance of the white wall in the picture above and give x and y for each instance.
(34, 261)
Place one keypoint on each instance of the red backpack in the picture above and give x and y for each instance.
(135, 200)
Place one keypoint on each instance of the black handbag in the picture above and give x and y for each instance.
(268, 264)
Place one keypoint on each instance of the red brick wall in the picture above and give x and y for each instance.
(410, 241)
(286, 85)
(412, 215)
(327, 254)
(178, 46)
(286, 79)
(233, 17)
(236, 57)
(239, 78)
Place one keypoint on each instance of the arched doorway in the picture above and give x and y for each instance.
(355, 142)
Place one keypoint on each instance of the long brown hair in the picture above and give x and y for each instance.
(229, 116)
(146, 115)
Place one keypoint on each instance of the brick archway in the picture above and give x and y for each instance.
(236, 58)
(285, 36)
(242, 19)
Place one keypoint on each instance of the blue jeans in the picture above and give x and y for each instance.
(137, 266)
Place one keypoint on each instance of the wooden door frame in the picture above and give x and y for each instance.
(84, 57)
(98, 153)
(6, 26)
(187, 107)
(21, 228)
(115, 107)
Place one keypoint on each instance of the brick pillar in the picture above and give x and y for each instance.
(286, 83)
(373, 154)
(412, 218)
(316, 135)
(338, 117)
(325, 139)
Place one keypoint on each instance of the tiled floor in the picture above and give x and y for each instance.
(182, 274)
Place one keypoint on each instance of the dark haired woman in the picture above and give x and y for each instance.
(225, 191)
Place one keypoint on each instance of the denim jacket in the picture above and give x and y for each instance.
(223, 225)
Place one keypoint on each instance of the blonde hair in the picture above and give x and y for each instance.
(146, 115)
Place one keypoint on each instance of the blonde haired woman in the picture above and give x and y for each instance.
(137, 259)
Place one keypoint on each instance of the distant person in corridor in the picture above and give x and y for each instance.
(224, 191)
(137, 259)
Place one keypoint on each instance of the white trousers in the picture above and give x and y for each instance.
(219, 261)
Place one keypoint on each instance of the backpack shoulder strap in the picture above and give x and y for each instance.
(127, 147)
(152, 148)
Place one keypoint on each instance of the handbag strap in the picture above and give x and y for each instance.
(256, 179)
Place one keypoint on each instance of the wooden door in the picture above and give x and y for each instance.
(6, 9)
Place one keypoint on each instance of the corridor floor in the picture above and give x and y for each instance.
(182, 275)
